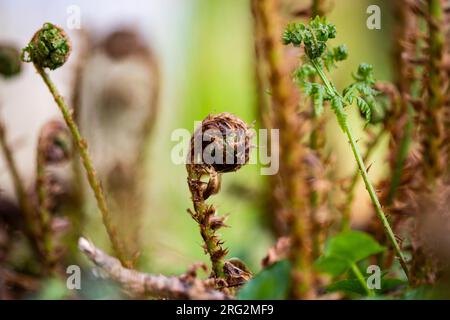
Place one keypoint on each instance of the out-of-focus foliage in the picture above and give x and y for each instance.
(346, 249)
(271, 283)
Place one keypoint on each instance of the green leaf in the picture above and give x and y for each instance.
(365, 108)
(294, 33)
(353, 246)
(271, 283)
(337, 54)
(317, 94)
(345, 249)
(349, 93)
(338, 107)
(365, 73)
(332, 265)
(340, 53)
(347, 285)
(354, 286)
(390, 284)
(304, 72)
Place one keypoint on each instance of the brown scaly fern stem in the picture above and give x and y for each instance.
(205, 216)
(433, 135)
(317, 141)
(269, 201)
(447, 95)
(226, 136)
(418, 164)
(399, 121)
(272, 203)
(291, 178)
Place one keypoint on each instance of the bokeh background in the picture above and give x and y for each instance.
(206, 54)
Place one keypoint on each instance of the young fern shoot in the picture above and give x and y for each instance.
(221, 144)
(318, 58)
(50, 48)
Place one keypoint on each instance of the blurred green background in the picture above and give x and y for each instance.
(206, 52)
(218, 76)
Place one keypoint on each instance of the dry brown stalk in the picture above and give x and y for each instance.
(436, 86)
(290, 184)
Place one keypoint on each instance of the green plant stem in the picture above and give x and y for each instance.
(346, 212)
(361, 280)
(87, 163)
(340, 113)
(375, 201)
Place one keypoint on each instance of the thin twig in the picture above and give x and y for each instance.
(147, 284)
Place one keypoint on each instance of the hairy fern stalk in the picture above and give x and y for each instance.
(49, 49)
(319, 59)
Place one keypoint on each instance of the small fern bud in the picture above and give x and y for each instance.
(221, 142)
(49, 48)
(340, 53)
(9, 61)
(365, 73)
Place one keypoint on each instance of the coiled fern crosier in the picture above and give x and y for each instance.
(50, 49)
(220, 144)
(317, 60)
